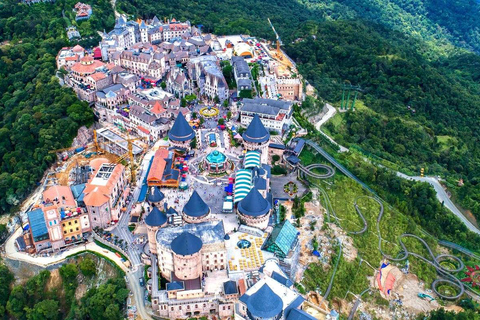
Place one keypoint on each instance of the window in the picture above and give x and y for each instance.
(71, 230)
(76, 221)
(77, 230)
(69, 223)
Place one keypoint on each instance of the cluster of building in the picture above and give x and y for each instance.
(67, 214)
(83, 11)
(135, 80)
(192, 251)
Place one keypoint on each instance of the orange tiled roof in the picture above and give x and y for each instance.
(60, 192)
(83, 67)
(158, 165)
(73, 58)
(96, 198)
(96, 195)
(98, 76)
(157, 108)
(78, 48)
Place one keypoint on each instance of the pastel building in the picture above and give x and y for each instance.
(254, 210)
(105, 192)
(195, 210)
(185, 255)
(256, 137)
(185, 252)
(181, 134)
(155, 220)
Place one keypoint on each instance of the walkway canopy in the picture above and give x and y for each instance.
(243, 184)
(252, 159)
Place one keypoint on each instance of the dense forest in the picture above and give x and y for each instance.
(44, 298)
(401, 53)
(36, 114)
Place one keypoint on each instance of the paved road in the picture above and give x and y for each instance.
(132, 276)
(442, 196)
(327, 116)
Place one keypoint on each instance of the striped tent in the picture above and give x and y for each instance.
(252, 159)
(243, 184)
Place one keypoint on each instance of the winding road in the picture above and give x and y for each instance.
(441, 194)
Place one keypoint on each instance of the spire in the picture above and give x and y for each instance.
(156, 218)
(186, 244)
(196, 207)
(256, 131)
(181, 130)
(254, 204)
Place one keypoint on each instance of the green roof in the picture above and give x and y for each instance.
(281, 239)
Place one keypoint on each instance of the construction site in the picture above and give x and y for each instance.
(72, 165)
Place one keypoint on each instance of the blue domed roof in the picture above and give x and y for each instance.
(196, 207)
(155, 195)
(254, 204)
(256, 131)
(186, 244)
(264, 303)
(181, 130)
(156, 218)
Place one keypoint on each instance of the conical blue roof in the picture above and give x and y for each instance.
(196, 207)
(186, 244)
(256, 131)
(264, 303)
(155, 195)
(156, 218)
(254, 204)
(181, 130)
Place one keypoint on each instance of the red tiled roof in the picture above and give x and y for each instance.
(97, 52)
(62, 193)
(78, 48)
(144, 130)
(73, 58)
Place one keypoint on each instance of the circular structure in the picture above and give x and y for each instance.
(308, 170)
(244, 244)
(216, 162)
(444, 293)
(209, 112)
(290, 188)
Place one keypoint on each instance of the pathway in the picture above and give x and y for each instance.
(441, 194)
(133, 283)
(327, 116)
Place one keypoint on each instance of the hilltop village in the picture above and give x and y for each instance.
(178, 174)
(191, 181)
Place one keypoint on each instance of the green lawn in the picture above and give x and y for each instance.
(342, 192)
(446, 142)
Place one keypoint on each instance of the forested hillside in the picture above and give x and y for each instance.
(36, 114)
(401, 52)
